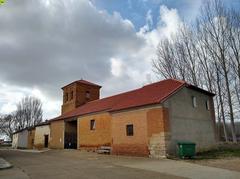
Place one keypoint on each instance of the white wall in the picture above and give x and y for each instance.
(20, 139)
(15, 140)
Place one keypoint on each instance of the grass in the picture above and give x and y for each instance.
(221, 152)
(224, 150)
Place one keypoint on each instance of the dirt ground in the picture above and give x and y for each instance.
(79, 164)
(62, 164)
(230, 163)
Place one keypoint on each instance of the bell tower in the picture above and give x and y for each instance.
(78, 93)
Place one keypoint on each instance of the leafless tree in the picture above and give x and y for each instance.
(7, 125)
(28, 113)
(207, 55)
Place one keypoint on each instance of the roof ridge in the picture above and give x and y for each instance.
(181, 81)
(114, 95)
(152, 93)
(168, 79)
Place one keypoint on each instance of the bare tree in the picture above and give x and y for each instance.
(165, 63)
(28, 113)
(215, 24)
(207, 55)
(7, 125)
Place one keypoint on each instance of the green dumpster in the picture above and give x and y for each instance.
(186, 149)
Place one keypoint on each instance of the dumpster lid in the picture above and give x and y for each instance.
(185, 143)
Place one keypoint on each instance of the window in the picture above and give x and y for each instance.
(87, 94)
(92, 124)
(194, 101)
(71, 96)
(66, 97)
(129, 129)
(207, 105)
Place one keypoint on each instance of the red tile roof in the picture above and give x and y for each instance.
(83, 82)
(154, 93)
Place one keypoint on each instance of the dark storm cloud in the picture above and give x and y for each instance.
(50, 43)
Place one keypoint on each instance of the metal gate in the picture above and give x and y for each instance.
(70, 140)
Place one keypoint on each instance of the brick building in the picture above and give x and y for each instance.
(146, 122)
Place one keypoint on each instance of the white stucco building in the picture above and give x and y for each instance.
(20, 139)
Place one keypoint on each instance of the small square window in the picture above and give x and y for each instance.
(92, 124)
(194, 101)
(129, 129)
(207, 105)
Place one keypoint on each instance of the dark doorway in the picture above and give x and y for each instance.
(46, 141)
(70, 135)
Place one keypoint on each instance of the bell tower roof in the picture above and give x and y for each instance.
(82, 82)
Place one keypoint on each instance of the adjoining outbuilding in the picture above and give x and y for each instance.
(148, 121)
(36, 137)
(42, 135)
(24, 138)
(20, 139)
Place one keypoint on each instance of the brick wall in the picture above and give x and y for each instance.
(158, 132)
(79, 95)
(130, 145)
(57, 135)
(92, 139)
(157, 121)
(150, 126)
(69, 104)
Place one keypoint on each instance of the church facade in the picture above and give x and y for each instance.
(148, 121)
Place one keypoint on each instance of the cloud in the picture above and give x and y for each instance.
(11, 95)
(116, 67)
(141, 61)
(45, 44)
(170, 21)
(136, 67)
(54, 42)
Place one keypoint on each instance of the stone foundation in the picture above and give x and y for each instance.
(158, 145)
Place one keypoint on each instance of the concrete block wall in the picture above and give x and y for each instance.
(188, 123)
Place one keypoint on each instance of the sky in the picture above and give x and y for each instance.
(46, 44)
